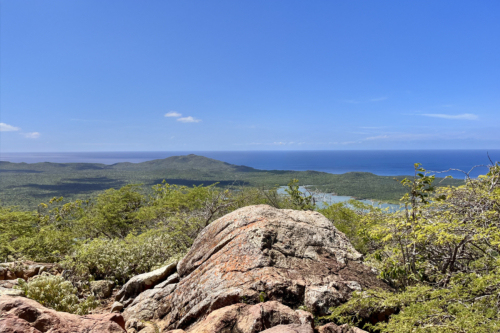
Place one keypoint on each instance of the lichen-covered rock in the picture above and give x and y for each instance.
(255, 254)
(102, 288)
(139, 283)
(293, 328)
(20, 315)
(245, 318)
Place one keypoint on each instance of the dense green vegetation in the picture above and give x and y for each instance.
(26, 185)
(122, 233)
(56, 293)
(440, 255)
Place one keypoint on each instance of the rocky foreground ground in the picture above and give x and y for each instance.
(257, 269)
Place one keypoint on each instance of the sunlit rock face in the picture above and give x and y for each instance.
(258, 254)
(19, 314)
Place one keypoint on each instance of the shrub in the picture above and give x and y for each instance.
(348, 217)
(441, 255)
(120, 259)
(56, 293)
(33, 236)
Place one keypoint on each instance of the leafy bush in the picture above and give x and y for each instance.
(348, 218)
(441, 255)
(112, 213)
(120, 259)
(34, 235)
(56, 293)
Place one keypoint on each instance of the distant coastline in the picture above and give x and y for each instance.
(379, 162)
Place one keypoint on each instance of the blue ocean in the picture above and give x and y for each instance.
(381, 162)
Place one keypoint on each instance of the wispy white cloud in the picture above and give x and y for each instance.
(378, 137)
(416, 136)
(173, 114)
(32, 135)
(351, 101)
(188, 120)
(8, 128)
(464, 116)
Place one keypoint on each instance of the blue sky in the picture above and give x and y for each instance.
(249, 75)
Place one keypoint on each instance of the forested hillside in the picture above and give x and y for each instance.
(26, 185)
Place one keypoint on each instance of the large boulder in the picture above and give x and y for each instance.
(256, 254)
(22, 315)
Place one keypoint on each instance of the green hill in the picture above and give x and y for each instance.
(26, 185)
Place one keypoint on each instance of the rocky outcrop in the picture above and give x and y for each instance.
(22, 315)
(139, 283)
(252, 255)
(244, 318)
(25, 270)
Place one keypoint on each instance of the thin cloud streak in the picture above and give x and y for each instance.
(173, 114)
(188, 120)
(464, 116)
(32, 135)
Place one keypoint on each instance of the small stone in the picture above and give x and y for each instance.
(102, 288)
(174, 278)
(116, 307)
(139, 283)
(134, 323)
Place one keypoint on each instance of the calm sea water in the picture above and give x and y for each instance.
(328, 199)
(382, 162)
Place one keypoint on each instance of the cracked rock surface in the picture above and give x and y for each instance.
(257, 254)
